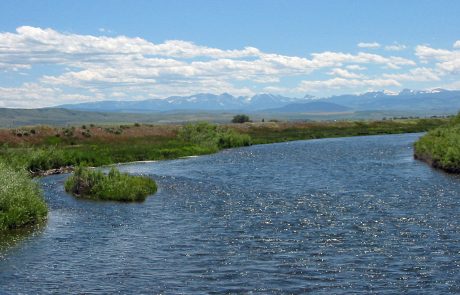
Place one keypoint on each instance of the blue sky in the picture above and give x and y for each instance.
(55, 52)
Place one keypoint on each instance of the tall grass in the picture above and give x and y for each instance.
(21, 201)
(115, 186)
(169, 142)
(441, 147)
(213, 136)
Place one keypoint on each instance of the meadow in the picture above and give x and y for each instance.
(40, 148)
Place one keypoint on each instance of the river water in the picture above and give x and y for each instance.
(343, 215)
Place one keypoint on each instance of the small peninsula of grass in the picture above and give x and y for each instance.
(115, 186)
(21, 201)
(440, 147)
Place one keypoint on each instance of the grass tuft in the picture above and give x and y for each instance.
(21, 201)
(440, 147)
(115, 186)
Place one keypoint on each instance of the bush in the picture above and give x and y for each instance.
(241, 119)
(45, 159)
(213, 136)
(441, 146)
(115, 186)
(21, 201)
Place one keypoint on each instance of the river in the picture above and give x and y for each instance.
(344, 215)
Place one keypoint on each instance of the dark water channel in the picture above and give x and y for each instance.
(347, 215)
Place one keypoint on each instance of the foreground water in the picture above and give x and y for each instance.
(343, 215)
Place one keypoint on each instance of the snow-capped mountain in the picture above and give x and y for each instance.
(197, 102)
(407, 99)
(420, 100)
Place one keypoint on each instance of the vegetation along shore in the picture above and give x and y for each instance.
(440, 147)
(115, 186)
(41, 149)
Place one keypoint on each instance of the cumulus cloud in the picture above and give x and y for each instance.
(417, 74)
(457, 44)
(395, 47)
(446, 61)
(342, 83)
(85, 68)
(356, 67)
(344, 73)
(368, 45)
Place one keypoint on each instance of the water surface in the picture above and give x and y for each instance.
(344, 215)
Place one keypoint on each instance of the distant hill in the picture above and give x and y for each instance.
(436, 100)
(414, 100)
(311, 107)
(197, 102)
(10, 118)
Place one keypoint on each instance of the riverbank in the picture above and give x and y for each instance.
(44, 150)
(440, 147)
(21, 201)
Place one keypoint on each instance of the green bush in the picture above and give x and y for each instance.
(45, 159)
(241, 119)
(115, 186)
(213, 136)
(441, 146)
(21, 201)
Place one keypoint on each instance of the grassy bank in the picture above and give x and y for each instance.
(441, 147)
(21, 202)
(49, 148)
(38, 149)
(288, 131)
(115, 186)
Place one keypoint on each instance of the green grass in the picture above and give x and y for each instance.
(314, 130)
(188, 140)
(192, 139)
(115, 186)
(441, 147)
(213, 136)
(21, 201)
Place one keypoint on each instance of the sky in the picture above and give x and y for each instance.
(60, 52)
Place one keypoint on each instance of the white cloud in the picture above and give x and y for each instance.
(395, 47)
(345, 74)
(329, 59)
(417, 74)
(447, 61)
(342, 83)
(86, 67)
(457, 44)
(356, 67)
(368, 45)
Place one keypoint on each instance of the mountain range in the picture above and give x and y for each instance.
(413, 100)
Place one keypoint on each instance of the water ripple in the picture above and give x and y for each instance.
(346, 215)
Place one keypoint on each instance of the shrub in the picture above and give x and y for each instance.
(115, 186)
(441, 146)
(116, 131)
(213, 136)
(45, 159)
(241, 119)
(21, 201)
